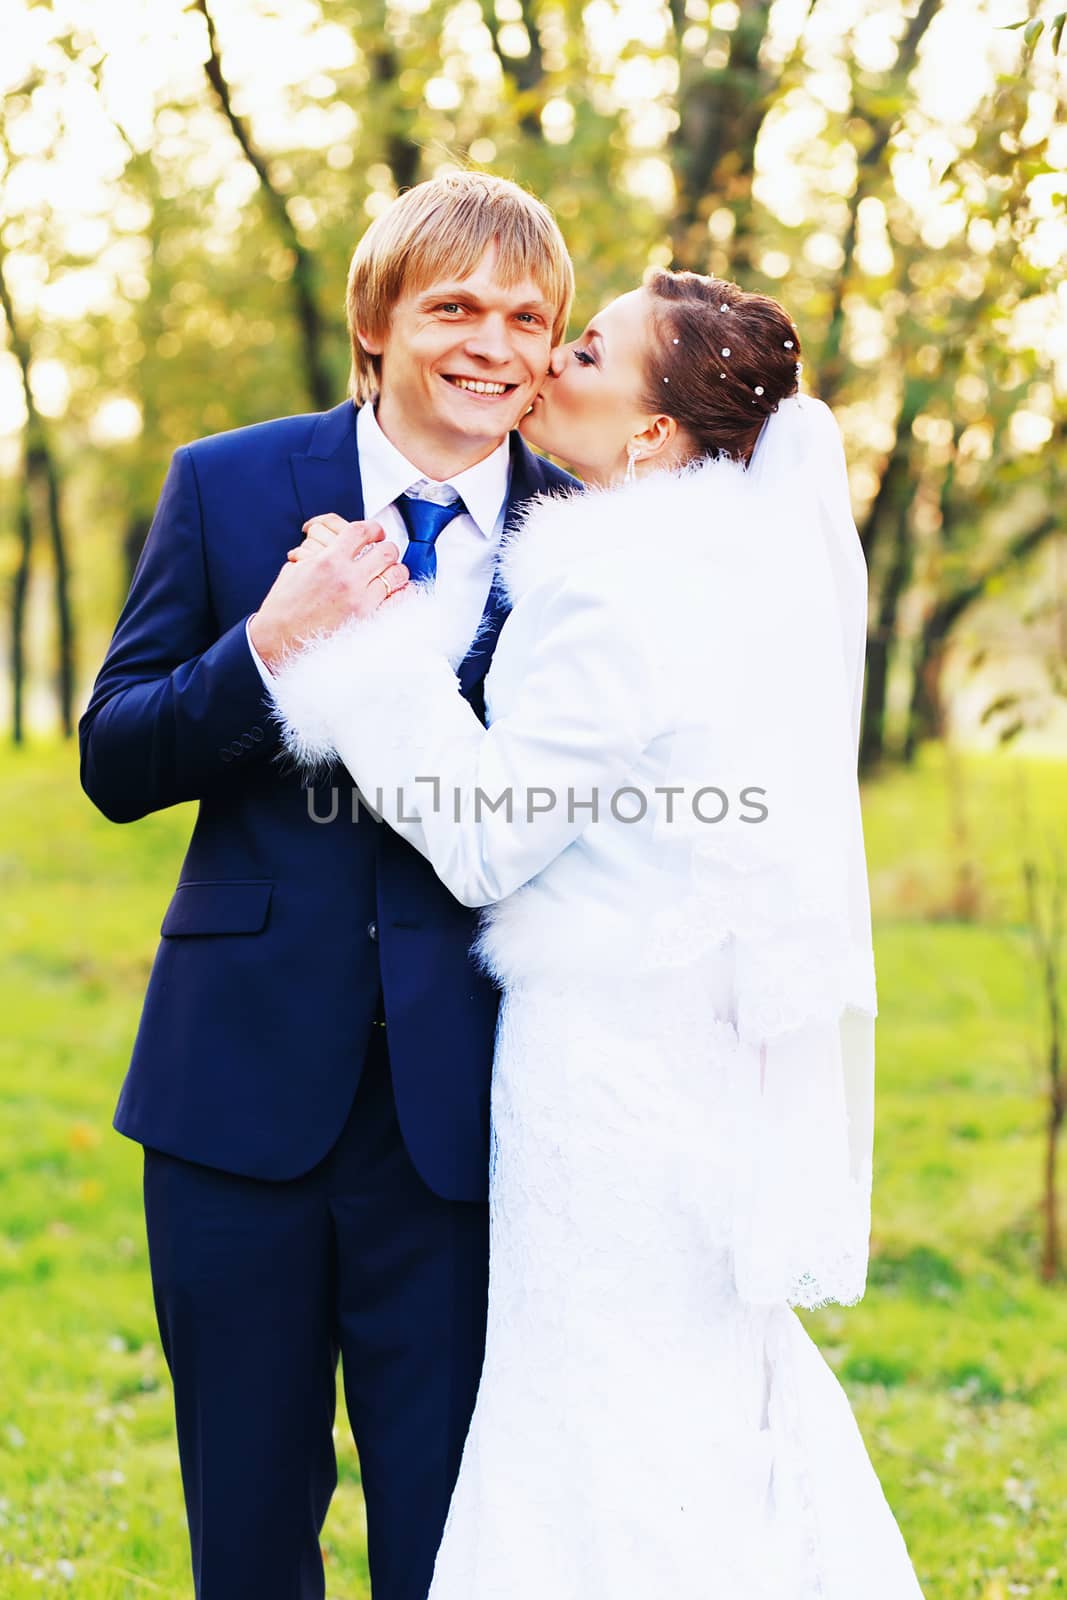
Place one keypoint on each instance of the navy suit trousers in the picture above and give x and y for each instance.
(259, 1287)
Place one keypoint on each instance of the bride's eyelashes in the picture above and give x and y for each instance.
(585, 358)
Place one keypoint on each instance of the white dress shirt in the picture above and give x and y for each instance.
(466, 549)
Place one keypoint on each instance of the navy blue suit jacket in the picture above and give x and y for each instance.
(282, 927)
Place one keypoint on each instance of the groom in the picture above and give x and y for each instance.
(310, 1078)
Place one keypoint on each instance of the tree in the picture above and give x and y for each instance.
(304, 280)
(1046, 904)
(38, 498)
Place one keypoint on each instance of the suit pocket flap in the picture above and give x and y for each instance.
(217, 908)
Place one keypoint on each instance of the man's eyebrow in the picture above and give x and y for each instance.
(448, 291)
(459, 291)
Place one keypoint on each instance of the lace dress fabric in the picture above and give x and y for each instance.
(640, 1430)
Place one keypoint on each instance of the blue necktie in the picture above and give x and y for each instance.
(424, 520)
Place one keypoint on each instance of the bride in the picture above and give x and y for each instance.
(662, 820)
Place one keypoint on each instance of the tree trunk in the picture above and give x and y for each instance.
(875, 700)
(401, 153)
(871, 163)
(925, 709)
(1047, 935)
(888, 519)
(42, 476)
(303, 282)
(832, 366)
(894, 501)
(1050, 1248)
(47, 476)
(527, 72)
(133, 542)
(19, 589)
(720, 115)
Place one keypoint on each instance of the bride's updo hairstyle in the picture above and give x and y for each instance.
(719, 360)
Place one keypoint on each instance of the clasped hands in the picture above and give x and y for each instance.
(342, 569)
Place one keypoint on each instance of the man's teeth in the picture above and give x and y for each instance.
(480, 388)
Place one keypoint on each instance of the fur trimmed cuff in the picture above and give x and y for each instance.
(322, 682)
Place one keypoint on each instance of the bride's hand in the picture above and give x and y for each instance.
(344, 570)
(322, 532)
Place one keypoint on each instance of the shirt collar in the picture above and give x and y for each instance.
(386, 473)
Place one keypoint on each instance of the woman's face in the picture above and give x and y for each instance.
(589, 407)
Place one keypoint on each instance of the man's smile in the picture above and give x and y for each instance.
(480, 386)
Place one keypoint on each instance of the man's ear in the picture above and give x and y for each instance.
(370, 344)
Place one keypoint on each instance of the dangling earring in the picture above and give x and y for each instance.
(631, 464)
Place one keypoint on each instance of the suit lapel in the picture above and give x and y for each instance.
(327, 476)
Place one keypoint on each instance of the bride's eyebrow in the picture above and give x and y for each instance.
(592, 333)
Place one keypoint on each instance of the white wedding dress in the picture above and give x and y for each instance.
(640, 1431)
(680, 1123)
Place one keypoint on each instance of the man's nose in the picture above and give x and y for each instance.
(489, 340)
(557, 360)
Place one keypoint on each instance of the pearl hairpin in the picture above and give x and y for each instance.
(676, 341)
(759, 389)
(789, 344)
(724, 308)
(726, 352)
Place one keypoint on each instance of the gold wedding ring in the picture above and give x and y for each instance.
(382, 580)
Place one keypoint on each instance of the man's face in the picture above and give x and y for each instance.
(463, 359)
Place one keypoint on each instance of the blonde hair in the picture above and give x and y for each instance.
(444, 227)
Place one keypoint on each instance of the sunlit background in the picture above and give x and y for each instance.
(895, 173)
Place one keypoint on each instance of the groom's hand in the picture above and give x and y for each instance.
(346, 576)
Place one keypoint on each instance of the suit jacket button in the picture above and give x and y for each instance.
(226, 755)
(237, 747)
(247, 740)
(372, 930)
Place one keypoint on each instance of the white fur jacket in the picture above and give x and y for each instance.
(656, 816)
(617, 811)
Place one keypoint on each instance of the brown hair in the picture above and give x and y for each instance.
(445, 226)
(719, 360)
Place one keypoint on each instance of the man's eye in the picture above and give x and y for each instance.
(530, 316)
(449, 305)
(585, 358)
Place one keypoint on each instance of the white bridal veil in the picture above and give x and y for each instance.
(815, 1106)
(787, 896)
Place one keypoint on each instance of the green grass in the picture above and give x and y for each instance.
(955, 1362)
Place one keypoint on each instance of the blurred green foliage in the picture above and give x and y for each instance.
(895, 173)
